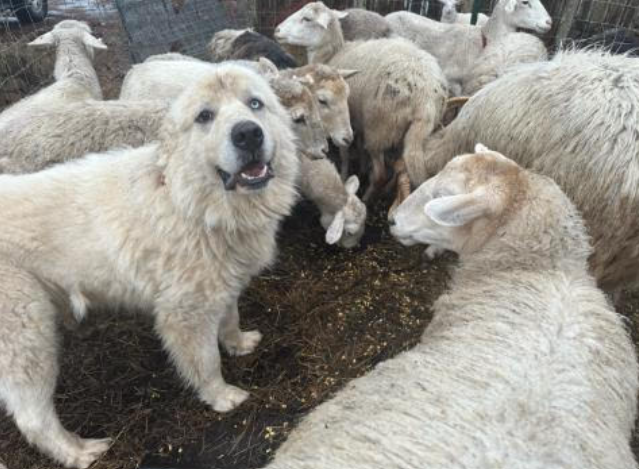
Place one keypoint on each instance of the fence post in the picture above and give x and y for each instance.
(565, 23)
(477, 4)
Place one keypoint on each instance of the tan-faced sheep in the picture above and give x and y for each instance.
(177, 228)
(457, 46)
(524, 365)
(574, 119)
(343, 214)
(75, 77)
(396, 99)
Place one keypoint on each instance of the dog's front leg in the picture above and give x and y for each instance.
(189, 331)
(235, 341)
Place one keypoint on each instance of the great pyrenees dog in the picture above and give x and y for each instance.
(177, 228)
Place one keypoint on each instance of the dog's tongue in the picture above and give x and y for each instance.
(254, 170)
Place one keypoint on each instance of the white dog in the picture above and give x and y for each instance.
(177, 228)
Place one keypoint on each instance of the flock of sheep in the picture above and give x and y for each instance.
(169, 199)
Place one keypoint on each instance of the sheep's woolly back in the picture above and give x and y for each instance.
(526, 368)
(53, 135)
(574, 119)
(397, 85)
(362, 25)
(499, 57)
(221, 45)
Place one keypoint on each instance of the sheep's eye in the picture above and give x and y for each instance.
(323, 102)
(204, 117)
(306, 20)
(256, 104)
(525, 3)
(300, 120)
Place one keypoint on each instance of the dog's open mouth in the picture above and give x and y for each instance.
(254, 175)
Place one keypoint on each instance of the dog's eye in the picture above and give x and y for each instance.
(256, 104)
(204, 117)
(300, 120)
(323, 102)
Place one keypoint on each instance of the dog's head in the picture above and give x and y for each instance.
(227, 142)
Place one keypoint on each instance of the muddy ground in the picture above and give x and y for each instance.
(327, 316)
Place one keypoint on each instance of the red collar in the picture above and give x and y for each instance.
(484, 40)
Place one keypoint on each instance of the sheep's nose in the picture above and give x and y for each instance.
(247, 136)
(391, 220)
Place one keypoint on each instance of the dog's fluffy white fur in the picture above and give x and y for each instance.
(151, 228)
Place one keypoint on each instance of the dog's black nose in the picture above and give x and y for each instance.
(247, 136)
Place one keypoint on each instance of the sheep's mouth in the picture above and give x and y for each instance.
(252, 176)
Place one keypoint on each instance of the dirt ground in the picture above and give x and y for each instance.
(327, 316)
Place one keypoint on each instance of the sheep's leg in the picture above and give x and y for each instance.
(345, 156)
(29, 369)
(235, 341)
(414, 153)
(403, 187)
(190, 333)
(377, 177)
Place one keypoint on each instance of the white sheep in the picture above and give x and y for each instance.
(176, 228)
(450, 14)
(396, 99)
(49, 135)
(574, 119)
(524, 365)
(343, 214)
(501, 56)
(457, 46)
(361, 25)
(75, 77)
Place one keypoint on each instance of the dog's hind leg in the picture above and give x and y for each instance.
(29, 369)
(235, 341)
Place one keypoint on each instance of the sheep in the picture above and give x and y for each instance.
(48, 136)
(362, 25)
(397, 97)
(457, 46)
(574, 119)
(177, 228)
(343, 214)
(166, 79)
(332, 91)
(499, 57)
(230, 44)
(524, 367)
(451, 16)
(75, 77)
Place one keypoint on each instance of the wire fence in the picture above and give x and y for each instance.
(135, 29)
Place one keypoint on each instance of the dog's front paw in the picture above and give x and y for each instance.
(226, 398)
(244, 343)
(87, 451)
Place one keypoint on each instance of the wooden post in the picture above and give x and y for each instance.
(565, 23)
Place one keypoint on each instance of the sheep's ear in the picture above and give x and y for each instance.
(352, 185)
(510, 6)
(47, 39)
(267, 68)
(480, 148)
(336, 228)
(324, 19)
(340, 14)
(94, 42)
(457, 210)
(347, 73)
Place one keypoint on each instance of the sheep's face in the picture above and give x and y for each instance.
(528, 14)
(307, 122)
(309, 26)
(346, 228)
(458, 208)
(70, 30)
(332, 97)
(229, 128)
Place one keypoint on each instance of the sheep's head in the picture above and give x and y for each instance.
(227, 142)
(303, 109)
(347, 226)
(332, 91)
(449, 10)
(461, 207)
(70, 30)
(527, 14)
(309, 26)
